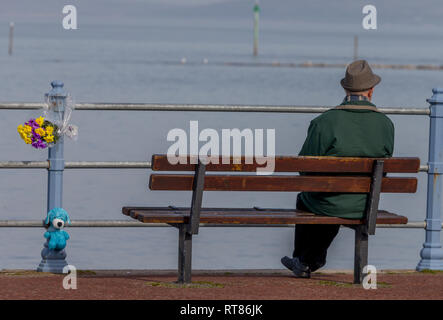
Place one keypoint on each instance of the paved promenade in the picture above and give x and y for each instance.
(257, 284)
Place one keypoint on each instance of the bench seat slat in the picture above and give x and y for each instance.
(353, 184)
(126, 210)
(297, 164)
(250, 216)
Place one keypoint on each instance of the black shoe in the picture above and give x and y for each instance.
(316, 266)
(287, 262)
(299, 269)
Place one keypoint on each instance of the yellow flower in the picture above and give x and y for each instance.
(27, 129)
(49, 130)
(49, 138)
(20, 128)
(23, 135)
(27, 140)
(40, 121)
(40, 131)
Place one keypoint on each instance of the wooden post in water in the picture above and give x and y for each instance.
(355, 48)
(256, 22)
(11, 38)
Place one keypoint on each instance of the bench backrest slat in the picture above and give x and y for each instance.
(214, 182)
(296, 164)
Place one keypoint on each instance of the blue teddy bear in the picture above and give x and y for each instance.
(56, 220)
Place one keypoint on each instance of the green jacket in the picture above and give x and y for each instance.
(353, 129)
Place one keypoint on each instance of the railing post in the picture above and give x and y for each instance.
(53, 260)
(432, 252)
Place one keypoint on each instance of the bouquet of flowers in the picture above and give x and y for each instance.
(39, 133)
(46, 130)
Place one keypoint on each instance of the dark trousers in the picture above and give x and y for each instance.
(312, 241)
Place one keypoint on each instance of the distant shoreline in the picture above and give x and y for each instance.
(309, 64)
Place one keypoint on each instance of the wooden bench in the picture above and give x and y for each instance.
(331, 174)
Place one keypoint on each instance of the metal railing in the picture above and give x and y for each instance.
(431, 252)
(136, 224)
(206, 108)
(96, 165)
(77, 165)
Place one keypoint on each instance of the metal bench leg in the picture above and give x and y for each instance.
(361, 253)
(184, 255)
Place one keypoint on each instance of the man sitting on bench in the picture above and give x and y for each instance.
(353, 129)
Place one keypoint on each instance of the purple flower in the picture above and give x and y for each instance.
(35, 136)
(38, 144)
(32, 123)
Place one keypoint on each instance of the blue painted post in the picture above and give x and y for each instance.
(57, 100)
(432, 252)
(52, 260)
